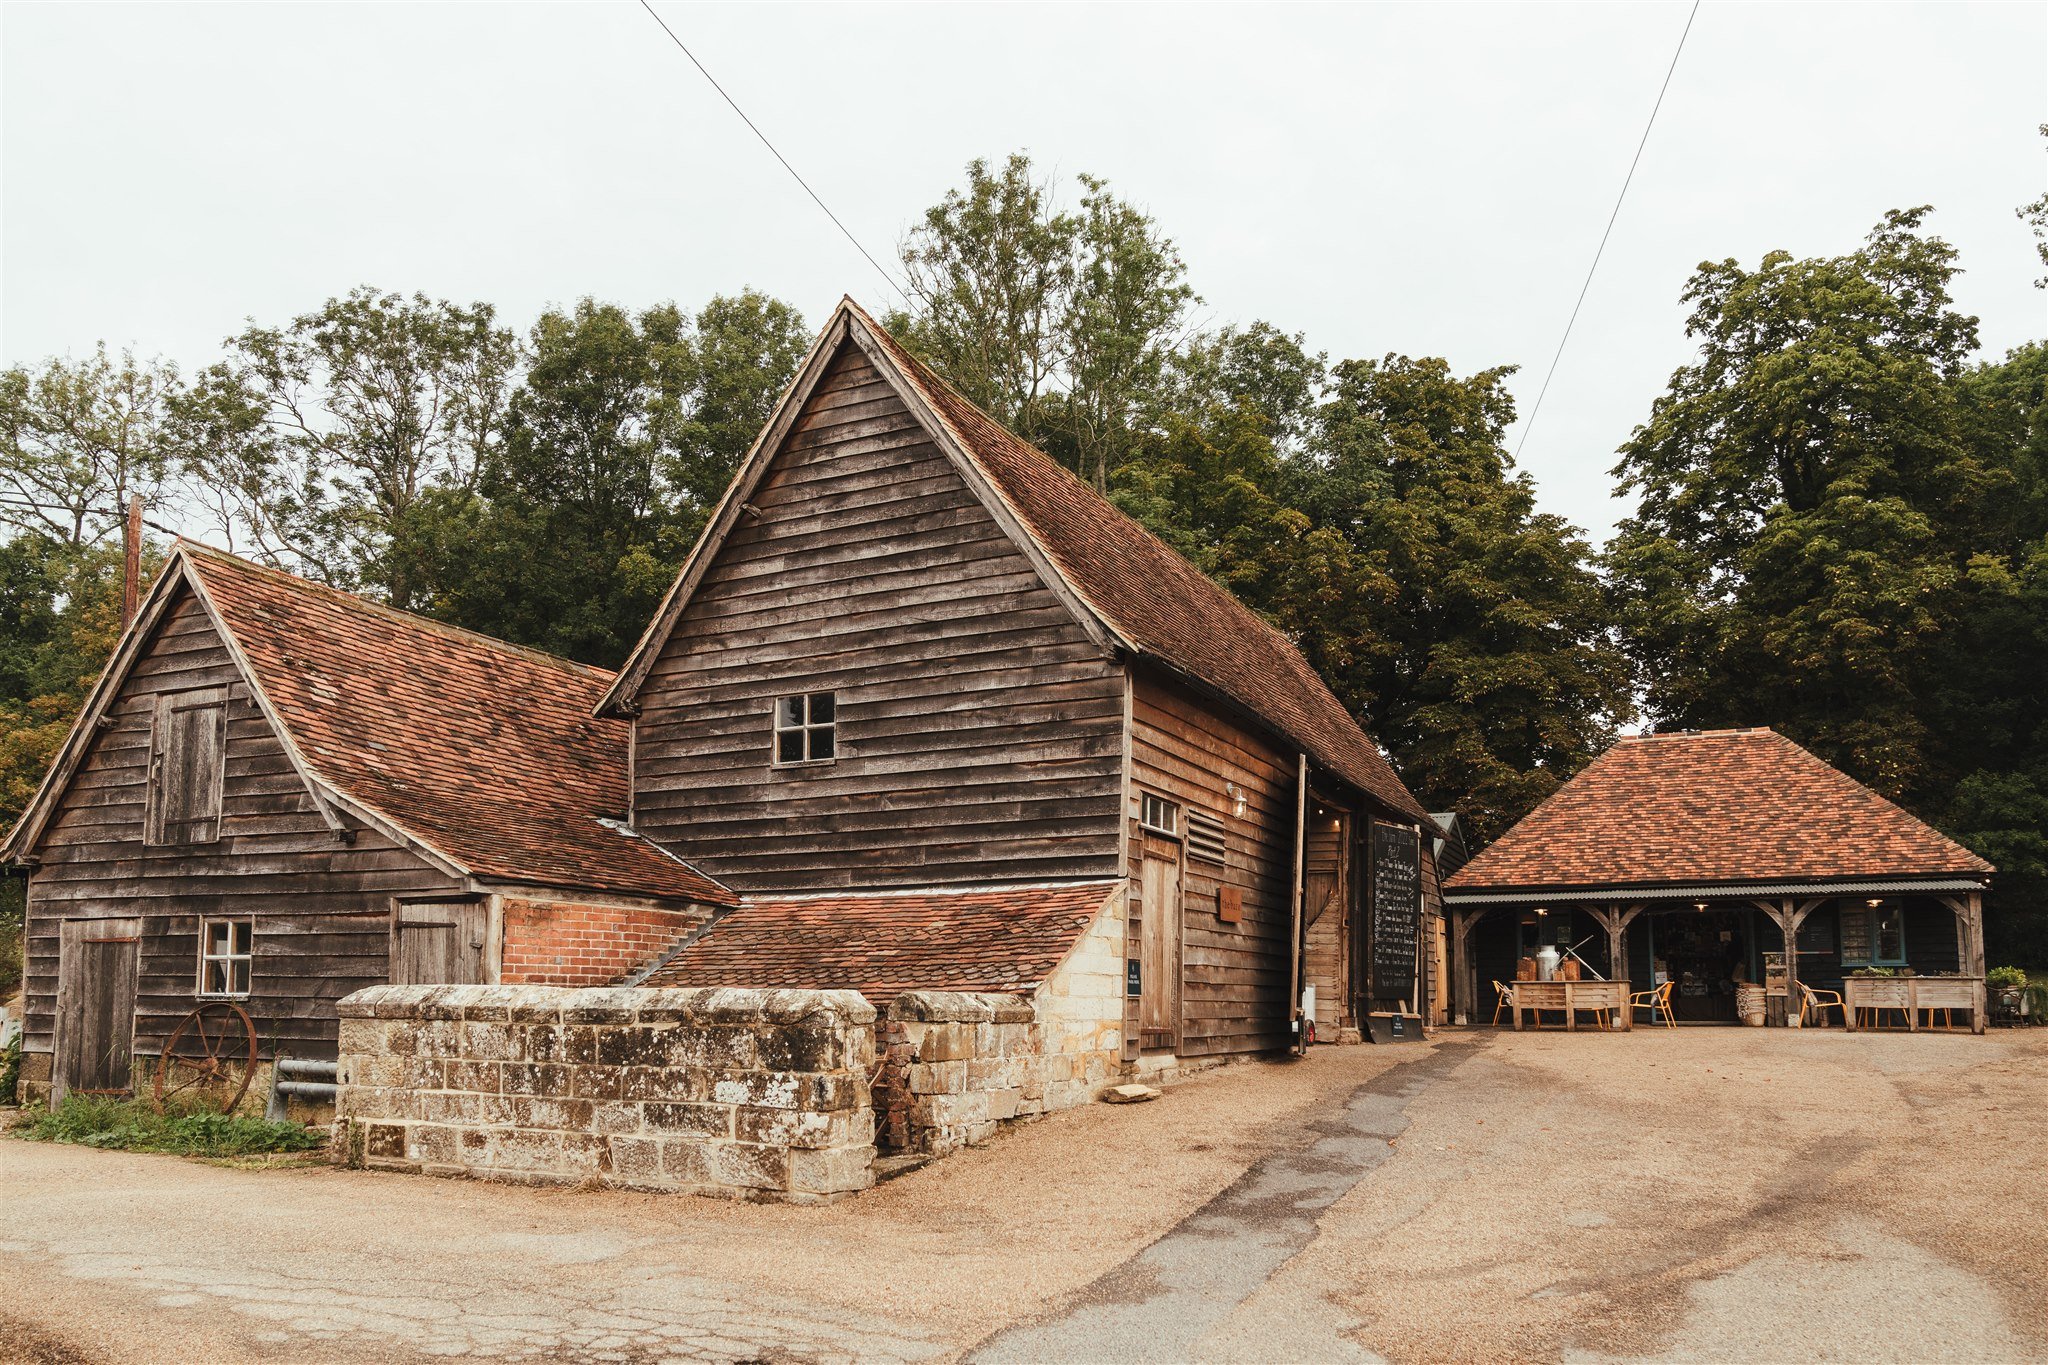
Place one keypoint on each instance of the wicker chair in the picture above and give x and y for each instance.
(1656, 1001)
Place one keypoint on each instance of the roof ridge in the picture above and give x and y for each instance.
(973, 889)
(925, 375)
(349, 601)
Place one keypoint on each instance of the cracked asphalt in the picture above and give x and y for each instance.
(1673, 1195)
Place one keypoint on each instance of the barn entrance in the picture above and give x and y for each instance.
(1704, 954)
(95, 1042)
(1159, 963)
(439, 943)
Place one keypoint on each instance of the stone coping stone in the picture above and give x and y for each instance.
(731, 1005)
(961, 1007)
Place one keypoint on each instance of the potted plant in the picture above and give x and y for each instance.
(2007, 988)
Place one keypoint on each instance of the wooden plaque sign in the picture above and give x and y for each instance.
(1396, 909)
(1230, 904)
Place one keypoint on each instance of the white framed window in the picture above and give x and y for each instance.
(806, 728)
(1159, 815)
(226, 954)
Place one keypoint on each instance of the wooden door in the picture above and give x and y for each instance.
(1159, 954)
(439, 944)
(96, 961)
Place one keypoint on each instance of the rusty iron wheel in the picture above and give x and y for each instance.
(209, 1059)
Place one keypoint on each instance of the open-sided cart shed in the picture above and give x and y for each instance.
(1699, 858)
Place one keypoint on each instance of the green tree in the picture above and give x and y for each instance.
(1792, 555)
(78, 439)
(619, 440)
(326, 445)
(1472, 632)
(1843, 533)
(1060, 324)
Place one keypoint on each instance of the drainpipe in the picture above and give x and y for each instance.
(1300, 872)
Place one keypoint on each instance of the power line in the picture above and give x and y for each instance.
(18, 502)
(1626, 181)
(886, 276)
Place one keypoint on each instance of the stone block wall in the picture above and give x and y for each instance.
(757, 1094)
(567, 943)
(955, 1066)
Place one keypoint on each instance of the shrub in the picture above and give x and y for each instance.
(2002, 978)
(133, 1126)
(10, 1070)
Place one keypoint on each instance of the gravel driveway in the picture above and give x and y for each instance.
(1699, 1194)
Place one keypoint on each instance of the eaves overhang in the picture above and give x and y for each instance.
(1712, 891)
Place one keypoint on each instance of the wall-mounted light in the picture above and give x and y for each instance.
(1873, 902)
(1237, 798)
(1541, 911)
(1700, 906)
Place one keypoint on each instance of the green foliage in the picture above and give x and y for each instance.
(2002, 978)
(1062, 325)
(133, 1126)
(1486, 667)
(323, 443)
(618, 442)
(77, 439)
(1843, 533)
(10, 1058)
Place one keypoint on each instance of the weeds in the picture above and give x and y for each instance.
(132, 1126)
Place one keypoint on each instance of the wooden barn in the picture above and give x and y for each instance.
(1728, 866)
(279, 794)
(921, 707)
(912, 651)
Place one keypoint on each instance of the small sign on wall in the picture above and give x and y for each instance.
(1131, 976)
(1230, 904)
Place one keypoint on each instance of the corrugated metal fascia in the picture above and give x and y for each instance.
(1716, 891)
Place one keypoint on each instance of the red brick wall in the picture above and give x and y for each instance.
(560, 943)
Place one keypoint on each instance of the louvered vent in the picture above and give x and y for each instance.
(1205, 837)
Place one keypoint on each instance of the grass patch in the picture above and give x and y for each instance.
(132, 1126)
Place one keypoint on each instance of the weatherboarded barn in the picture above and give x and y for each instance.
(911, 651)
(922, 710)
(279, 794)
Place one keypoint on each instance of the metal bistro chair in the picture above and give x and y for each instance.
(1814, 1005)
(1656, 1001)
(1506, 1001)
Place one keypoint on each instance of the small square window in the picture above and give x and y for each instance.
(1159, 815)
(806, 728)
(225, 956)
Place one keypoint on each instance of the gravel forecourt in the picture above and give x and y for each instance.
(1691, 1194)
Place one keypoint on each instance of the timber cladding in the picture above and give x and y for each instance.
(1234, 976)
(320, 908)
(979, 728)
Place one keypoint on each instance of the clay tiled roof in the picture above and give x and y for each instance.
(1712, 807)
(1158, 601)
(885, 943)
(483, 751)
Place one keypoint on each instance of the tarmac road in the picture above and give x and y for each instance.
(1699, 1194)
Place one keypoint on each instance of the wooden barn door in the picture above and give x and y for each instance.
(96, 1006)
(438, 944)
(1159, 963)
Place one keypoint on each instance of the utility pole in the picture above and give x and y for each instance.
(131, 561)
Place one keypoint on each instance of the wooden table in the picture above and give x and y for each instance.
(1571, 997)
(1913, 994)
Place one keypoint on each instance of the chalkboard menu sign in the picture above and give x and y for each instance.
(1396, 910)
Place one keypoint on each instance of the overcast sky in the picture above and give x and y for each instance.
(1422, 179)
